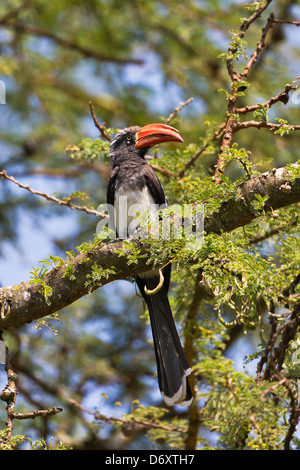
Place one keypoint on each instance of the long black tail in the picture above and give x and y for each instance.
(172, 366)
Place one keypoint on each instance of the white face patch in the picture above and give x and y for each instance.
(117, 138)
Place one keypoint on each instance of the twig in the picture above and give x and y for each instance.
(36, 413)
(73, 172)
(266, 357)
(9, 394)
(271, 233)
(61, 202)
(127, 423)
(100, 127)
(177, 110)
(257, 13)
(226, 141)
(260, 46)
(272, 388)
(282, 96)
(259, 124)
(244, 26)
(235, 77)
(296, 23)
(199, 152)
(294, 415)
(232, 126)
(163, 171)
(191, 332)
(274, 357)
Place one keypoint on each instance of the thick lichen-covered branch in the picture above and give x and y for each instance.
(110, 261)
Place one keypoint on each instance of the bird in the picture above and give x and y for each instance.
(134, 181)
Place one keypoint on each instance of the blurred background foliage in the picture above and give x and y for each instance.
(136, 61)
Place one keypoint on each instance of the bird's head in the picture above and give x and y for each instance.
(139, 140)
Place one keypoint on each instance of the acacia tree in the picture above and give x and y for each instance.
(240, 287)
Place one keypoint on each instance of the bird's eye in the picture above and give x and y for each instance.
(129, 139)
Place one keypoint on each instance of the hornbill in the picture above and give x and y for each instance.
(133, 179)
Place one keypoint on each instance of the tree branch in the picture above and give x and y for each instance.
(239, 211)
(216, 135)
(259, 47)
(230, 126)
(174, 113)
(235, 78)
(26, 301)
(259, 124)
(131, 424)
(296, 23)
(282, 96)
(61, 202)
(67, 43)
(244, 26)
(100, 127)
(36, 413)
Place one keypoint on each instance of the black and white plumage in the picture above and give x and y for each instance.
(132, 178)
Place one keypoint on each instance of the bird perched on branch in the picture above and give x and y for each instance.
(134, 182)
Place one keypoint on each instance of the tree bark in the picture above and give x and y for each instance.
(26, 302)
